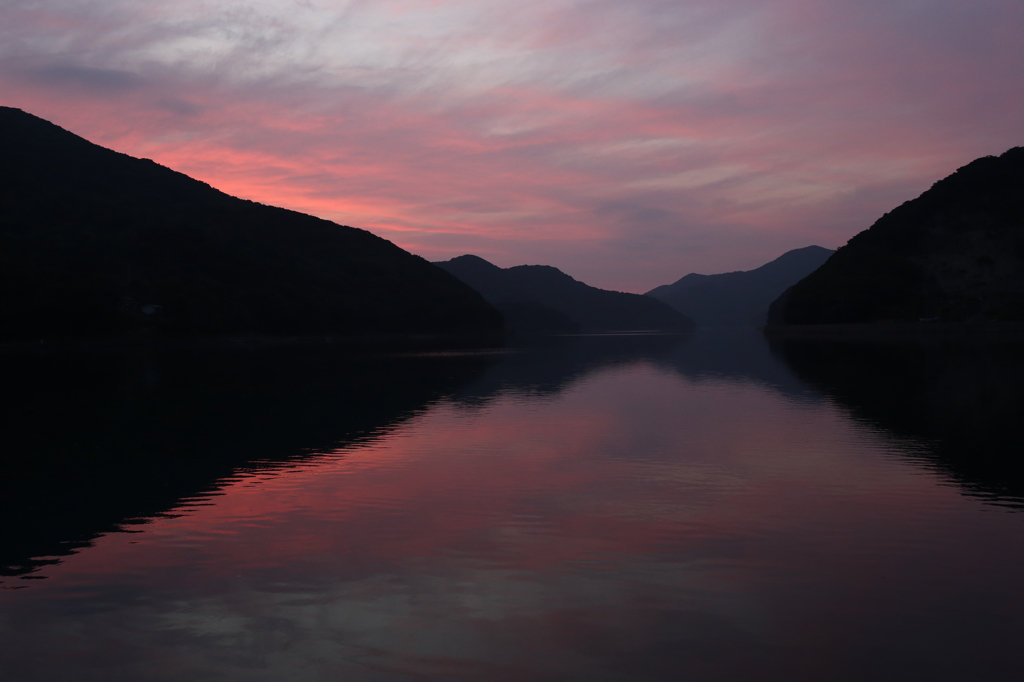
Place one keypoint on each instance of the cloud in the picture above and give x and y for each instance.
(95, 80)
(731, 130)
(179, 106)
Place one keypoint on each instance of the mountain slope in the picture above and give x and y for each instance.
(94, 243)
(740, 299)
(565, 303)
(955, 254)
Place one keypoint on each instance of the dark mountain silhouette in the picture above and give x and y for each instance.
(740, 299)
(954, 254)
(94, 243)
(540, 298)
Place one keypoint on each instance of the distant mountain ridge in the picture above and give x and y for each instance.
(541, 298)
(954, 254)
(740, 299)
(94, 243)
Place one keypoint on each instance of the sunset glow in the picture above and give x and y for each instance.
(626, 143)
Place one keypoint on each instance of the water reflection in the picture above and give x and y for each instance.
(99, 442)
(602, 508)
(92, 442)
(547, 365)
(735, 355)
(544, 366)
(961, 398)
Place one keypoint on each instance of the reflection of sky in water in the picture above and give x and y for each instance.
(637, 524)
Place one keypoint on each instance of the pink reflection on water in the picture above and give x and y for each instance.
(636, 521)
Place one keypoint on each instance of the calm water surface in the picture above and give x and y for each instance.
(624, 508)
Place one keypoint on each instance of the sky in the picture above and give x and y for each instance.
(626, 142)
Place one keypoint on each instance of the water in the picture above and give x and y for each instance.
(605, 508)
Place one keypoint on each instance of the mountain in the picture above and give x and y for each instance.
(94, 243)
(954, 254)
(740, 299)
(540, 298)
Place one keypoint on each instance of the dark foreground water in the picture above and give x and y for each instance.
(604, 508)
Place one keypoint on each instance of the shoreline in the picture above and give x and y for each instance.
(895, 330)
(347, 342)
(358, 343)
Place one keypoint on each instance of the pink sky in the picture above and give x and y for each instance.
(627, 143)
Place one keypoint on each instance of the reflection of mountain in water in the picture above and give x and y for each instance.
(91, 442)
(965, 398)
(734, 355)
(547, 365)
